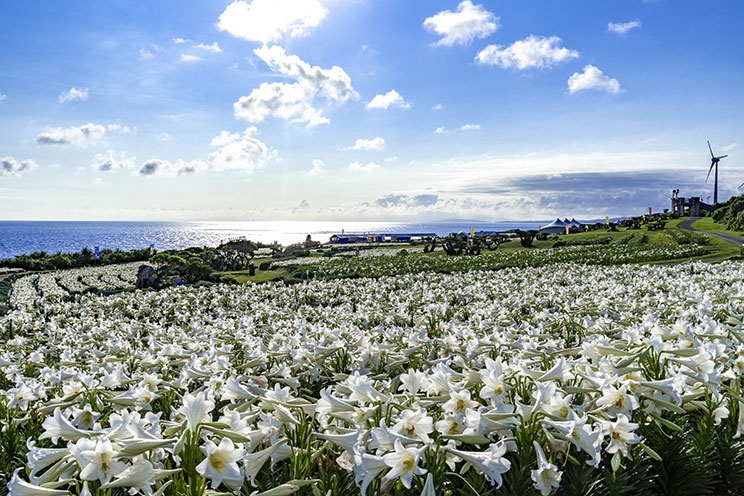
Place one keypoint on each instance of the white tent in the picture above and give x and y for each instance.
(555, 227)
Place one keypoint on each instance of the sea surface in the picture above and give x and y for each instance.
(25, 237)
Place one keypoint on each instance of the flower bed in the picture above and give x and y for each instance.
(566, 378)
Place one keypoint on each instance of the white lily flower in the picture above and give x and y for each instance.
(101, 463)
(18, 487)
(84, 418)
(253, 462)
(414, 424)
(221, 465)
(459, 402)
(491, 463)
(403, 463)
(20, 396)
(140, 475)
(58, 426)
(196, 409)
(547, 476)
(621, 435)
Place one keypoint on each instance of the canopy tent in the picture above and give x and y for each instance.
(555, 227)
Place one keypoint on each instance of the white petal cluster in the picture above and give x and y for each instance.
(377, 377)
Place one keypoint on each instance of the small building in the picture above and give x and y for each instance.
(690, 207)
(379, 237)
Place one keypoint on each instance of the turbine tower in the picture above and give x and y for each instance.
(714, 163)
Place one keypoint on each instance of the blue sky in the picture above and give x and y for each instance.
(365, 110)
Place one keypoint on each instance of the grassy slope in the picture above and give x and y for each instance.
(717, 249)
(707, 224)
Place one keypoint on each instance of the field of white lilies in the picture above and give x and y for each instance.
(563, 379)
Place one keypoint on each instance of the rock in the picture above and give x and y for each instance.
(146, 276)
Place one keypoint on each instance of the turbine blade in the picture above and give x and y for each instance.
(711, 150)
(722, 156)
(742, 184)
(709, 171)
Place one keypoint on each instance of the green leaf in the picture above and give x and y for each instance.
(288, 487)
(653, 454)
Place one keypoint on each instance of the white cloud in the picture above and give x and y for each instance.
(11, 167)
(178, 41)
(240, 152)
(623, 27)
(73, 94)
(728, 148)
(158, 167)
(111, 161)
(146, 54)
(407, 201)
(121, 129)
(213, 48)
(360, 167)
(268, 21)
(462, 27)
(390, 99)
(294, 101)
(438, 106)
(78, 136)
(190, 58)
(391, 159)
(533, 51)
(373, 144)
(3, 96)
(317, 169)
(464, 128)
(593, 78)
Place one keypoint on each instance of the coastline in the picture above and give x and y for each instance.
(25, 237)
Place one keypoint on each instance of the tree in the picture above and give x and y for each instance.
(238, 254)
(527, 237)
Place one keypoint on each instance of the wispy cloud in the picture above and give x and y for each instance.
(318, 167)
(146, 54)
(190, 58)
(3, 96)
(532, 52)
(213, 48)
(73, 94)
(360, 167)
(462, 27)
(623, 27)
(593, 78)
(76, 135)
(157, 167)
(373, 144)
(464, 128)
(390, 99)
(112, 161)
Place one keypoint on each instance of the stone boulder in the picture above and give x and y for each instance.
(146, 276)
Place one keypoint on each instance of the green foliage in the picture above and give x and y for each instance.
(731, 213)
(526, 238)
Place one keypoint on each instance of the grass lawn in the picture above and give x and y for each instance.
(715, 250)
(707, 224)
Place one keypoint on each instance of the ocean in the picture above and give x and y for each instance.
(24, 237)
